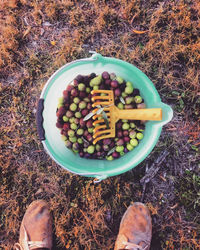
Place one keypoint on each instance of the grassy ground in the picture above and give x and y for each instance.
(160, 38)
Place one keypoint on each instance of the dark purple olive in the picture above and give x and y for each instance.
(61, 111)
(106, 148)
(134, 105)
(108, 82)
(141, 125)
(85, 133)
(119, 124)
(141, 105)
(75, 146)
(69, 113)
(135, 92)
(114, 84)
(60, 119)
(107, 141)
(68, 144)
(76, 121)
(82, 94)
(89, 137)
(81, 154)
(120, 142)
(126, 150)
(66, 94)
(99, 154)
(112, 144)
(87, 155)
(58, 115)
(66, 102)
(79, 78)
(69, 88)
(66, 126)
(89, 106)
(93, 75)
(74, 92)
(67, 105)
(82, 123)
(117, 92)
(84, 112)
(115, 155)
(119, 134)
(86, 80)
(122, 86)
(128, 106)
(126, 139)
(125, 132)
(103, 154)
(105, 75)
(89, 124)
(94, 156)
(102, 86)
(76, 82)
(137, 122)
(63, 132)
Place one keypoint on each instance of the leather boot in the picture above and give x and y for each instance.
(135, 230)
(36, 227)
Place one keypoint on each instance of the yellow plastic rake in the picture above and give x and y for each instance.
(106, 118)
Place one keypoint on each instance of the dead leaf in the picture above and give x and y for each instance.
(140, 31)
(19, 144)
(175, 206)
(53, 43)
(27, 31)
(40, 190)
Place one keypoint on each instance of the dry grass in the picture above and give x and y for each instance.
(36, 38)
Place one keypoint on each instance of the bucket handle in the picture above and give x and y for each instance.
(167, 112)
(98, 177)
(39, 119)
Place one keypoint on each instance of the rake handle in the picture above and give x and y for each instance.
(154, 114)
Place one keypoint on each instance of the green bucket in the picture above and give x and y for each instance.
(50, 135)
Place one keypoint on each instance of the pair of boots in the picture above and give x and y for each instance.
(36, 228)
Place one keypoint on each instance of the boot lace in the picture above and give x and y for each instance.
(133, 246)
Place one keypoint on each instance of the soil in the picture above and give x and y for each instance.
(161, 39)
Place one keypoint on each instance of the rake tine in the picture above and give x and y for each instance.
(102, 132)
(97, 116)
(105, 108)
(98, 128)
(100, 91)
(95, 110)
(99, 121)
(100, 138)
(100, 98)
(100, 103)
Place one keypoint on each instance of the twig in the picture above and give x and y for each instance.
(144, 186)
(153, 170)
(143, 192)
(90, 226)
